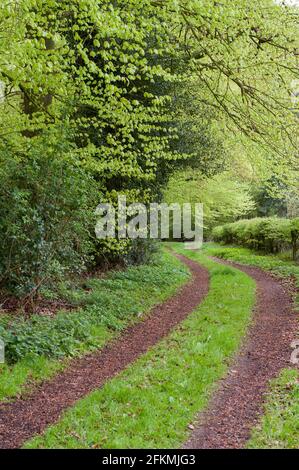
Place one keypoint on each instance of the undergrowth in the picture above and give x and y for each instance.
(37, 347)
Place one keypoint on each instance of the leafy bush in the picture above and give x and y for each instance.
(271, 235)
(141, 251)
(46, 214)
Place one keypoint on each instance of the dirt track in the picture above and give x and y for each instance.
(238, 402)
(236, 405)
(27, 417)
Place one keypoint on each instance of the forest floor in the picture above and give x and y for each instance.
(205, 350)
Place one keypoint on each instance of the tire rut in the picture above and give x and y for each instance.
(29, 416)
(238, 402)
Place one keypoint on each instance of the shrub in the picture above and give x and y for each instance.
(141, 251)
(270, 234)
(46, 214)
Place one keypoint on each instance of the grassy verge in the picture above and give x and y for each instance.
(151, 403)
(279, 427)
(37, 348)
(278, 264)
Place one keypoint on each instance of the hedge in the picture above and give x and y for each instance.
(271, 234)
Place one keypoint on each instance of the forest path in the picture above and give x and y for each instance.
(29, 416)
(238, 402)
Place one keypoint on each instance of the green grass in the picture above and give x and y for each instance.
(279, 427)
(278, 264)
(151, 403)
(42, 346)
(16, 379)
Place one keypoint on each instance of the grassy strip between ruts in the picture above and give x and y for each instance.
(278, 264)
(105, 307)
(279, 427)
(151, 403)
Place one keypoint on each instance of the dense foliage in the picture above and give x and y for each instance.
(102, 97)
(224, 199)
(46, 215)
(267, 234)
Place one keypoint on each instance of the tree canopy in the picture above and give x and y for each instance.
(121, 95)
